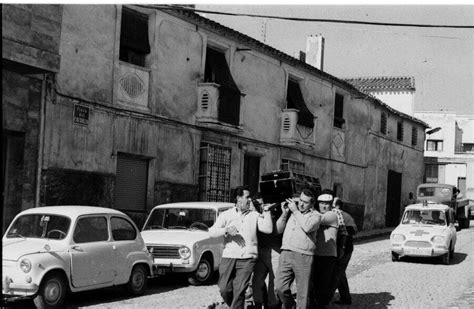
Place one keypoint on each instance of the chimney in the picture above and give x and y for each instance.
(301, 55)
(315, 51)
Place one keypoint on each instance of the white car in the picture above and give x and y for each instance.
(426, 230)
(49, 251)
(177, 236)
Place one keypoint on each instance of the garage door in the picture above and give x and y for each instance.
(131, 184)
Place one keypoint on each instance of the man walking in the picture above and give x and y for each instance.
(298, 245)
(239, 226)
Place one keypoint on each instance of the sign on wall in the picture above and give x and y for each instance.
(81, 114)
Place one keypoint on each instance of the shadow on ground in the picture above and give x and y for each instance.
(112, 294)
(458, 258)
(368, 300)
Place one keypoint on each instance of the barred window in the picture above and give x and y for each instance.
(292, 165)
(414, 136)
(214, 173)
(400, 131)
(383, 123)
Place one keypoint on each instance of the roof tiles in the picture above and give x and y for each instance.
(384, 83)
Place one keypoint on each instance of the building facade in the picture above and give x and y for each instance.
(449, 150)
(162, 105)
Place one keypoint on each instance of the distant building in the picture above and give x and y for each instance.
(153, 105)
(449, 150)
(396, 91)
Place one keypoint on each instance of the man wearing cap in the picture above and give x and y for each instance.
(299, 224)
(325, 253)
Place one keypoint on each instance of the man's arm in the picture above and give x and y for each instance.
(308, 223)
(265, 224)
(218, 229)
(281, 222)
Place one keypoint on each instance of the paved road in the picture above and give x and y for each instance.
(376, 282)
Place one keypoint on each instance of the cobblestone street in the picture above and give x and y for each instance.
(375, 281)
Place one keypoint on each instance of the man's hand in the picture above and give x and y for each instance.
(231, 230)
(292, 205)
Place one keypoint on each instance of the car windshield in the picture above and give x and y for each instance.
(428, 217)
(181, 218)
(40, 226)
(435, 191)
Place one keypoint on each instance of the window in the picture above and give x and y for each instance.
(337, 189)
(431, 173)
(339, 111)
(134, 44)
(217, 71)
(91, 229)
(294, 99)
(383, 123)
(468, 147)
(414, 136)
(434, 145)
(122, 229)
(400, 131)
(214, 173)
(291, 165)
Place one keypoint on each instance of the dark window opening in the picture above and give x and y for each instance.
(217, 71)
(251, 172)
(400, 131)
(431, 173)
(383, 123)
(414, 136)
(294, 99)
(134, 43)
(339, 111)
(466, 147)
(434, 145)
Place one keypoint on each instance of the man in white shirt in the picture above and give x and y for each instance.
(239, 226)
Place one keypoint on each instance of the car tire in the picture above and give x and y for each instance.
(52, 292)
(446, 258)
(203, 273)
(395, 257)
(138, 280)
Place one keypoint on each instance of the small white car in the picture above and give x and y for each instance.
(177, 236)
(426, 230)
(49, 251)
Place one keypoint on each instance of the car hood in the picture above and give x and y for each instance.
(15, 248)
(173, 237)
(420, 231)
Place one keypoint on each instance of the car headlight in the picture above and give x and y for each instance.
(438, 239)
(25, 265)
(398, 237)
(184, 252)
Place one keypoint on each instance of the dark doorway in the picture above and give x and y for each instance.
(251, 172)
(394, 190)
(131, 187)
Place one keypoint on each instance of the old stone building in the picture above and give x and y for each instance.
(162, 105)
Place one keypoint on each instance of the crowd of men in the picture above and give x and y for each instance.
(303, 242)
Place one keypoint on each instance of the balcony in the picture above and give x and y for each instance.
(207, 112)
(292, 134)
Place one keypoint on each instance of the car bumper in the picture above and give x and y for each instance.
(161, 267)
(11, 289)
(422, 252)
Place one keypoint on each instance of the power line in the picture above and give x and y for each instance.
(340, 21)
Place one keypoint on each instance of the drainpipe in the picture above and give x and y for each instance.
(41, 137)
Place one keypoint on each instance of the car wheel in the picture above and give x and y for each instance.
(395, 257)
(445, 259)
(138, 280)
(203, 272)
(52, 292)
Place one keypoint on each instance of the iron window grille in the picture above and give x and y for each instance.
(400, 131)
(214, 173)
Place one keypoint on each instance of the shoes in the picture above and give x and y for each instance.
(343, 302)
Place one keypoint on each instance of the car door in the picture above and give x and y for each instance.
(91, 252)
(124, 244)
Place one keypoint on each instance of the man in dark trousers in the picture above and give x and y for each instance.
(239, 226)
(341, 283)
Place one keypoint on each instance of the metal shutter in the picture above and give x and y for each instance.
(131, 183)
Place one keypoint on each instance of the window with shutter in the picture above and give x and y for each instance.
(294, 99)
(339, 111)
(383, 123)
(400, 131)
(134, 43)
(414, 136)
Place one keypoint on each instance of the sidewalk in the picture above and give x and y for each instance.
(369, 234)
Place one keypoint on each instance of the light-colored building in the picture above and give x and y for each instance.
(152, 106)
(449, 150)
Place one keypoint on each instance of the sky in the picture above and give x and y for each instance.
(440, 59)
